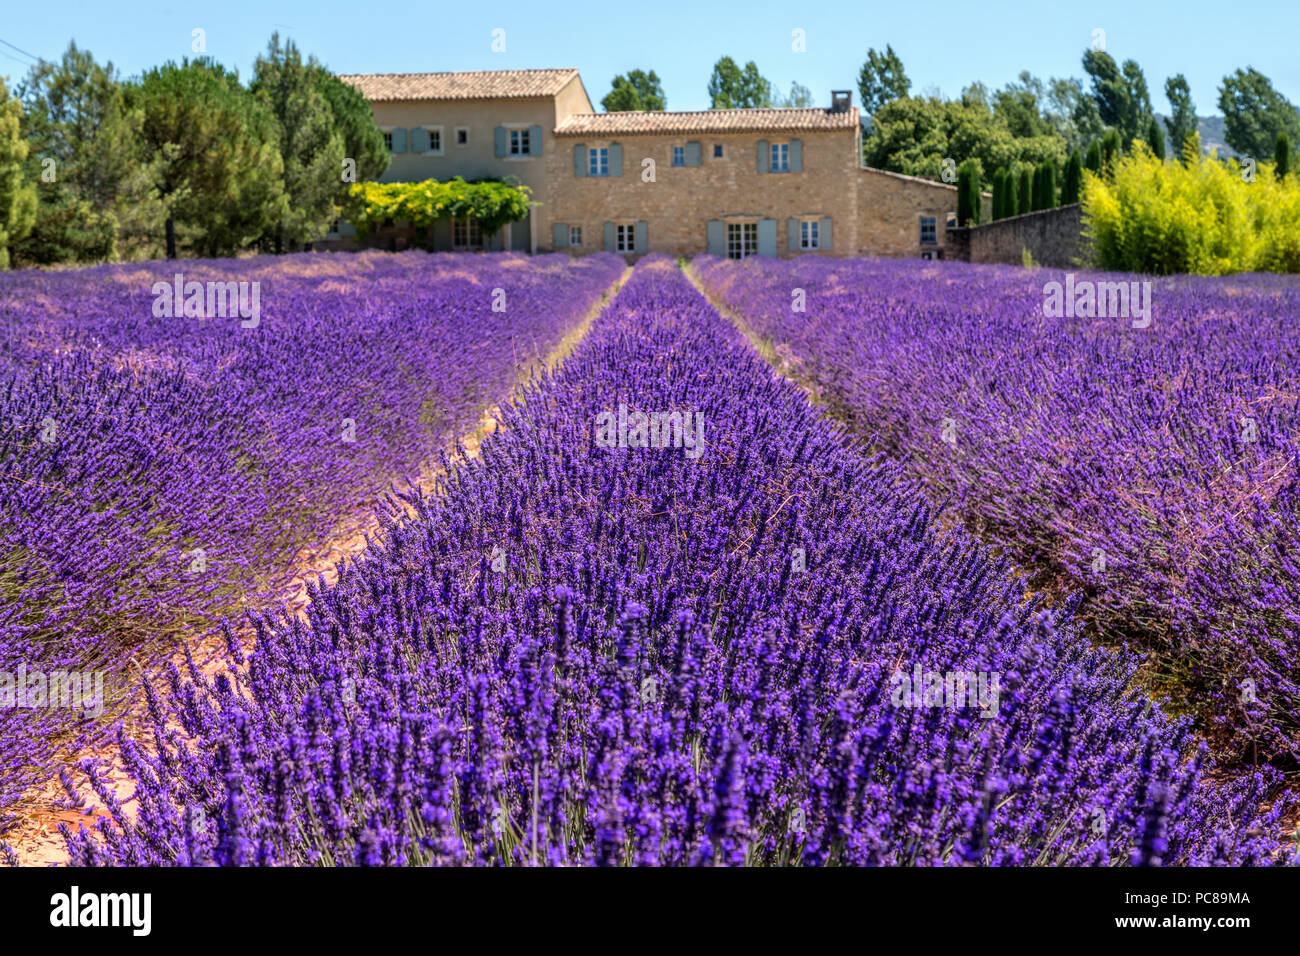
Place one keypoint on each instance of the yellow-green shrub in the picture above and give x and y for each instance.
(491, 202)
(1156, 216)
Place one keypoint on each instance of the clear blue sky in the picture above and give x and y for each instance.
(944, 45)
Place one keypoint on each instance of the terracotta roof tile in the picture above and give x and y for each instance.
(474, 85)
(707, 121)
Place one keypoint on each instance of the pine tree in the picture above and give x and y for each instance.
(1072, 184)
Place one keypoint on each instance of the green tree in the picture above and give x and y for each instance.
(1110, 150)
(799, 97)
(1156, 138)
(311, 148)
(1123, 102)
(638, 90)
(1282, 156)
(83, 161)
(1024, 191)
(968, 193)
(999, 189)
(882, 80)
(1045, 187)
(731, 87)
(17, 196)
(355, 120)
(1181, 123)
(1072, 183)
(213, 157)
(1092, 161)
(1254, 113)
(1010, 205)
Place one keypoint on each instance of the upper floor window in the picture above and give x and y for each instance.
(928, 234)
(717, 150)
(810, 234)
(780, 157)
(435, 139)
(388, 140)
(462, 135)
(598, 161)
(519, 145)
(625, 237)
(679, 155)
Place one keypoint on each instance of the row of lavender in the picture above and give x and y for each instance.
(1147, 459)
(157, 468)
(605, 642)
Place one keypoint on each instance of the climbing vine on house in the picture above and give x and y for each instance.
(492, 202)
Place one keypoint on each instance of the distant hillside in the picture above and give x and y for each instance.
(1211, 130)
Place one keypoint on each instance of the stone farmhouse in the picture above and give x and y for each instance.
(740, 182)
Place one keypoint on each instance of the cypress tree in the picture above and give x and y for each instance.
(1110, 147)
(1156, 138)
(968, 193)
(1092, 162)
(1282, 157)
(999, 194)
(1024, 191)
(1072, 184)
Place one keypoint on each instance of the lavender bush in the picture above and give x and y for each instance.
(157, 472)
(1152, 468)
(596, 652)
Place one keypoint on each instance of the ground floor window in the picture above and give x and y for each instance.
(742, 239)
(466, 234)
(810, 234)
(625, 237)
(575, 235)
(928, 234)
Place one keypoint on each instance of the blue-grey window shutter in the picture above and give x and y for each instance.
(609, 237)
(763, 157)
(693, 154)
(534, 141)
(419, 139)
(824, 239)
(501, 142)
(615, 159)
(717, 232)
(559, 234)
(580, 160)
(796, 155)
(642, 236)
(767, 238)
(792, 234)
(399, 141)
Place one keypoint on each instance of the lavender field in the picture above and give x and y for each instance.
(1147, 466)
(159, 473)
(676, 613)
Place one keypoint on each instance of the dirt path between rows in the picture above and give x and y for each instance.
(36, 838)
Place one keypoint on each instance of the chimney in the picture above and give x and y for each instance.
(841, 100)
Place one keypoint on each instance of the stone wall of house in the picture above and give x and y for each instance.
(678, 204)
(1054, 237)
(890, 207)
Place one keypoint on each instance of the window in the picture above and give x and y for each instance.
(928, 236)
(519, 145)
(388, 140)
(435, 139)
(810, 234)
(462, 135)
(717, 150)
(625, 237)
(598, 161)
(466, 234)
(575, 235)
(679, 155)
(951, 220)
(780, 157)
(742, 239)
